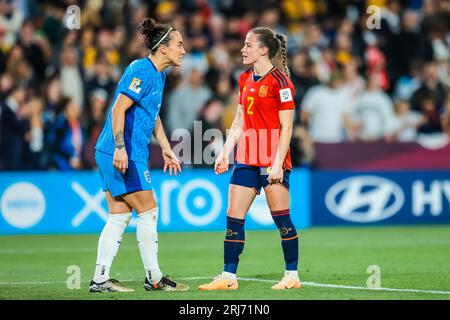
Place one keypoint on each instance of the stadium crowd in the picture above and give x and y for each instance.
(353, 83)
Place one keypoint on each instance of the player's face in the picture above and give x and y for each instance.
(251, 51)
(175, 50)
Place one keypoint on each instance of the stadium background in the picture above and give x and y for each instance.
(371, 135)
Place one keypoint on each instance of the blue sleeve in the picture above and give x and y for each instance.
(134, 83)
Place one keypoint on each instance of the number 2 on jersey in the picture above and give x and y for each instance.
(250, 105)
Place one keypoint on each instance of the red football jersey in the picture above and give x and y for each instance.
(261, 100)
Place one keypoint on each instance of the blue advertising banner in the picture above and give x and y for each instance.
(407, 197)
(195, 200)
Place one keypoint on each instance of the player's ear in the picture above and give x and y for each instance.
(163, 48)
(264, 51)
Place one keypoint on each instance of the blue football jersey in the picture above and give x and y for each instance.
(142, 83)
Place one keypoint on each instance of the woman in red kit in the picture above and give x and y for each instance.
(263, 129)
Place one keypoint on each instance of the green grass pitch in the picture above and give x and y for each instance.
(409, 258)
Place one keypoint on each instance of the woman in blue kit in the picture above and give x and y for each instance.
(122, 155)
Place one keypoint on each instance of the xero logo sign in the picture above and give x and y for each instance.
(199, 201)
(364, 199)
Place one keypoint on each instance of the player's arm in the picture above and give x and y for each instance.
(121, 105)
(286, 123)
(221, 164)
(170, 160)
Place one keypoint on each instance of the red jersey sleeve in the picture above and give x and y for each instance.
(284, 92)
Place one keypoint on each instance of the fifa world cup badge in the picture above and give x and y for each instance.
(285, 95)
(136, 85)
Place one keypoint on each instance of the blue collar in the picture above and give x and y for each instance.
(151, 62)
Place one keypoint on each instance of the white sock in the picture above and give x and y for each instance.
(147, 238)
(291, 273)
(109, 243)
(229, 275)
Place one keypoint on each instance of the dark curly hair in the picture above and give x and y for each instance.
(155, 34)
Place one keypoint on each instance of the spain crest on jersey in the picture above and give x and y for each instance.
(263, 91)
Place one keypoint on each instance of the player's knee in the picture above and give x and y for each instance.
(120, 218)
(149, 216)
(235, 213)
(147, 206)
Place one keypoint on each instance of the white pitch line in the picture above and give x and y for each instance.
(336, 286)
(306, 283)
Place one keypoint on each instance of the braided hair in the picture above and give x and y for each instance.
(155, 34)
(276, 43)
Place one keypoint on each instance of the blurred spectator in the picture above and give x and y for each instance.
(6, 85)
(210, 118)
(13, 126)
(53, 25)
(373, 113)
(446, 115)
(95, 119)
(71, 78)
(88, 49)
(375, 61)
(408, 83)
(302, 76)
(408, 121)
(354, 84)
(34, 137)
(407, 46)
(431, 127)
(53, 95)
(302, 147)
(32, 50)
(325, 111)
(66, 137)
(2, 52)
(10, 20)
(430, 87)
(430, 121)
(101, 77)
(186, 101)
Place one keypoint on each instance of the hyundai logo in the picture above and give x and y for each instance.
(364, 199)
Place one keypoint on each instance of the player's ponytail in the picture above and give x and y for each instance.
(282, 53)
(276, 43)
(155, 34)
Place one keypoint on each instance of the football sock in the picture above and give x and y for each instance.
(233, 244)
(229, 275)
(147, 239)
(289, 238)
(109, 243)
(291, 273)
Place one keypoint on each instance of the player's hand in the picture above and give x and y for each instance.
(120, 160)
(221, 164)
(275, 175)
(171, 161)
